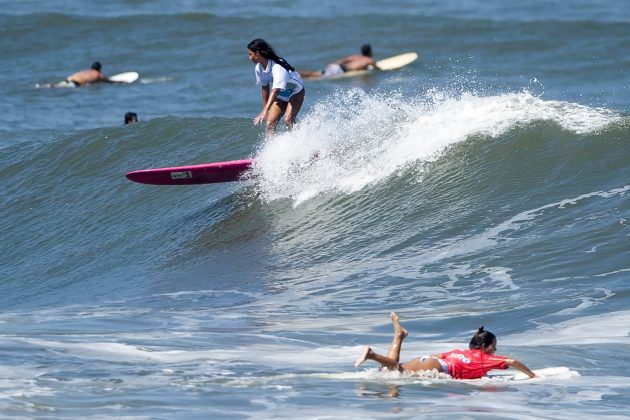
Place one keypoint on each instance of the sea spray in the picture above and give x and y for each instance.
(354, 138)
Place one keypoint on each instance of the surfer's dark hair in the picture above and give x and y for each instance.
(96, 66)
(366, 50)
(481, 339)
(261, 46)
(130, 116)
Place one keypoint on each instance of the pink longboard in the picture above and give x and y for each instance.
(206, 173)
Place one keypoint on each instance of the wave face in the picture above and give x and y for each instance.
(484, 184)
(365, 179)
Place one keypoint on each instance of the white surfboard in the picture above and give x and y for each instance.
(386, 64)
(127, 77)
(398, 61)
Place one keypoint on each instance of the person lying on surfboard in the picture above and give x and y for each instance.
(354, 62)
(282, 87)
(92, 75)
(459, 364)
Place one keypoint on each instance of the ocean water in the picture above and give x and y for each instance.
(485, 184)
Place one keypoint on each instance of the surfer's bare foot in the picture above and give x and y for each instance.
(367, 352)
(398, 329)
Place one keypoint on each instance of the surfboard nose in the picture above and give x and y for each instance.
(136, 176)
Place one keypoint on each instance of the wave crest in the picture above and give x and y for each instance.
(354, 138)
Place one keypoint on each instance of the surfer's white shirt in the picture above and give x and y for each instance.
(289, 82)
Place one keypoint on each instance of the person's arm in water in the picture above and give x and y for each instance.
(105, 79)
(268, 97)
(520, 366)
(373, 64)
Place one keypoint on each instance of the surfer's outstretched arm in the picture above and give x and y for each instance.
(520, 366)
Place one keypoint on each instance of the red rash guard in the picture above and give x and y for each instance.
(472, 364)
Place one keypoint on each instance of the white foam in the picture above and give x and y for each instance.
(151, 80)
(586, 302)
(117, 352)
(20, 383)
(362, 138)
(608, 328)
(502, 276)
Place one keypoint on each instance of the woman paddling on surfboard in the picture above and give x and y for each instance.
(282, 87)
(459, 364)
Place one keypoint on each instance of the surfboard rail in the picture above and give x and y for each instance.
(205, 173)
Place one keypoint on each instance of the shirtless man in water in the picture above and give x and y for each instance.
(459, 364)
(354, 62)
(92, 75)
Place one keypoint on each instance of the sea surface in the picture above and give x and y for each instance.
(487, 183)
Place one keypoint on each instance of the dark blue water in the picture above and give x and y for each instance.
(485, 184)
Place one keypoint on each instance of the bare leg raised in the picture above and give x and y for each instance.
(399, 335)
(369, 354)
(391, 360)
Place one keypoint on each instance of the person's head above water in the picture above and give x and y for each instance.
(366, 50)
(131, 117)
(483, 340)
(96, 66)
